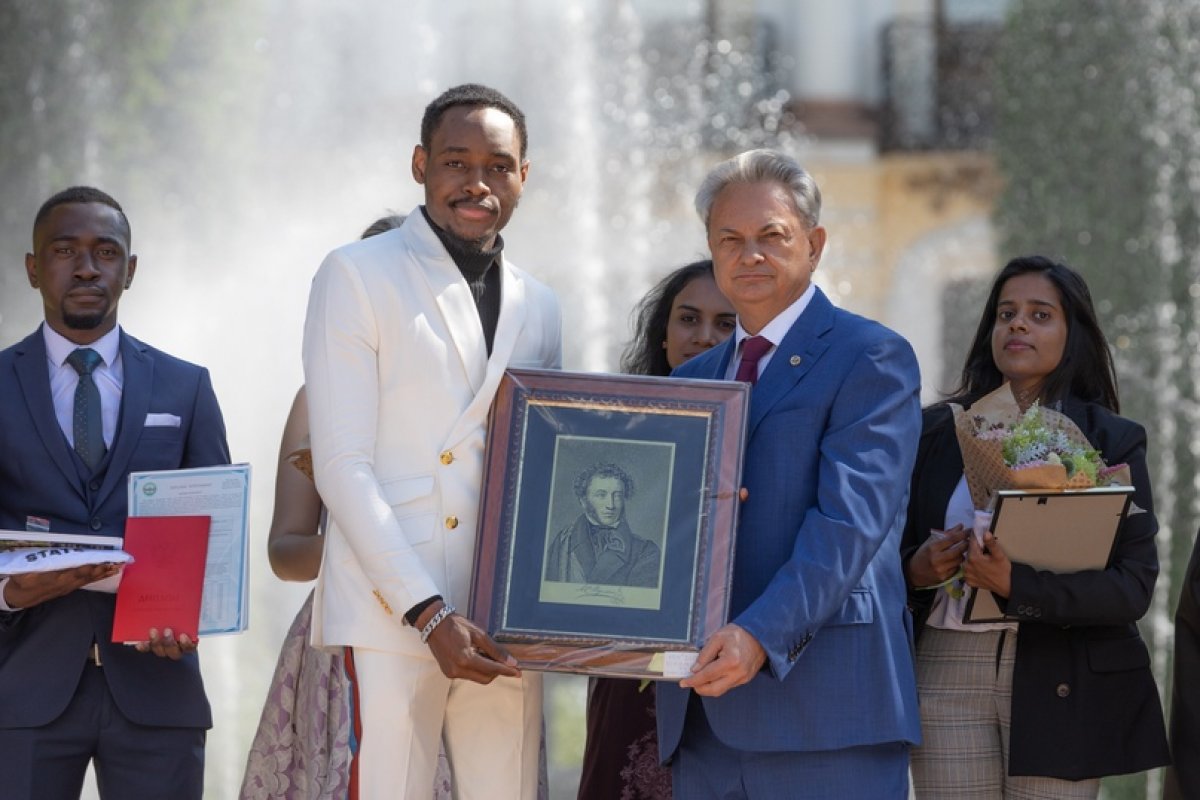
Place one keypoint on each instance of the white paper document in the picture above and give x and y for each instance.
(678, 664)
(222, 493)
(42, 551)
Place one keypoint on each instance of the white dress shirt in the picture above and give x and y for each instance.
(773, 331)
(108, 376)
(947, 612)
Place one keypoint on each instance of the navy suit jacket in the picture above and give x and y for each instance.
(43, 648)
(833, 429)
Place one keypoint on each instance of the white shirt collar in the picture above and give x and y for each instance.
(777, 328)
(58, 347)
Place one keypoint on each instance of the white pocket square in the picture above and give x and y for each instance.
(162, 421)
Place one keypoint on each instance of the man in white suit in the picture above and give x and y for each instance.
(407, 336)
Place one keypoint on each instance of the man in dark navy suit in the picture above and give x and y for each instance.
(82, 404)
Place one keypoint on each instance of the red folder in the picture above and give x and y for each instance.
(163, 586)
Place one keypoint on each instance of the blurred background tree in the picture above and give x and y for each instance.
(247, 138)
(100, 92)
(1099, 144)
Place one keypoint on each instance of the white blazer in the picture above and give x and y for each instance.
(399, 385)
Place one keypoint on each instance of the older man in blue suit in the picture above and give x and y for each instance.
(809, 691)
(82, 404)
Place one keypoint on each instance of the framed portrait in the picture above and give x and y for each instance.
(608, 520)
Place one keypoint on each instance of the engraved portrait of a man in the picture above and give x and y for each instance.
(599, 547)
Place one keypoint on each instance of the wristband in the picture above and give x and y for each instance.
(411, 615)
(437, 619)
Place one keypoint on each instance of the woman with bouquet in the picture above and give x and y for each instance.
(1046, 704)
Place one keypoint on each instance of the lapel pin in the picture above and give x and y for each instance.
(794, 361)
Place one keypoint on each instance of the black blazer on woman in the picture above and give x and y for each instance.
(1084, 702)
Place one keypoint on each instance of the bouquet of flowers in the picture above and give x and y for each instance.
(1003, 448)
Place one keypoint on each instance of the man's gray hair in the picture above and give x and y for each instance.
(758, 166)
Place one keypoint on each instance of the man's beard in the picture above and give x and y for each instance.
(84, 322)
(473, 246)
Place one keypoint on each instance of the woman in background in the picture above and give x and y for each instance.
(302, 746)
(1044, 705)
(685, 314)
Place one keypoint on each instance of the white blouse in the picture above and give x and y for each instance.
(947, 612)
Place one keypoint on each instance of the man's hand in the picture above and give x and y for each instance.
(988, 569)
(728, 659)
(463, 650)
(34, 588)
(166, 646)
(938, 558)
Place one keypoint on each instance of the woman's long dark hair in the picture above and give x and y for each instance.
(645, 354)
(1086, 370)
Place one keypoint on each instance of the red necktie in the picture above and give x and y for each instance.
(753, 349)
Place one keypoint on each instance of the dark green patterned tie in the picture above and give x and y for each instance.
(88, 426)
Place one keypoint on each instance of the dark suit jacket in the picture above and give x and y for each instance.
(832, 434)
(1183, 778)
(572, 558)
(1084, 702)
(43, 649)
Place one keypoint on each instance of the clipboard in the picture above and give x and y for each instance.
(1057, 531)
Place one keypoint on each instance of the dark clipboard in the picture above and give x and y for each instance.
(1055, 531)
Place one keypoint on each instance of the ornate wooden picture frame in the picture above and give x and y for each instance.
(608, 519)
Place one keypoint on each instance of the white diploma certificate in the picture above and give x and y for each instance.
(222, 493)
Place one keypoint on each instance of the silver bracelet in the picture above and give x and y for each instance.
(443, 612)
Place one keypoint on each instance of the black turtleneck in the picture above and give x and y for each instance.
(479, 269)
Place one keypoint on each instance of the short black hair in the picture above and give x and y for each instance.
(83, 194)
(602, 470)
(475, 95)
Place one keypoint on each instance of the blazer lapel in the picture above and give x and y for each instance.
(453, 298)
(135, 403)
(944, 469)
(508, 330)
(34, 378)
(796, 355)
